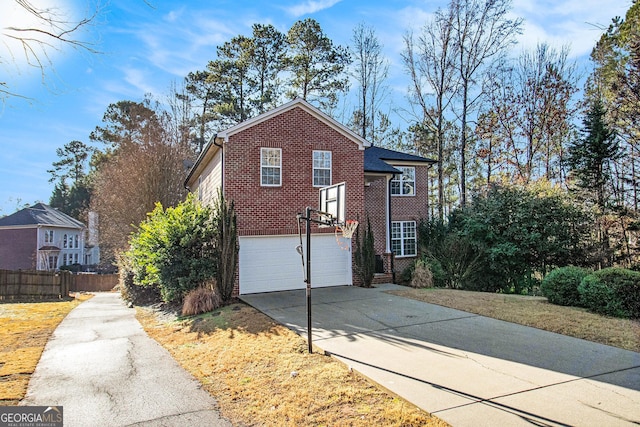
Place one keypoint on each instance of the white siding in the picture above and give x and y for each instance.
(210, 180)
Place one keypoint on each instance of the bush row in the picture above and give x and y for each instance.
(611, 291)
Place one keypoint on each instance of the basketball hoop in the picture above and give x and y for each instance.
(347, 228)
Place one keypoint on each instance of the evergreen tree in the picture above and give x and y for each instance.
(365, 255)
(589, 156)
(316, 65)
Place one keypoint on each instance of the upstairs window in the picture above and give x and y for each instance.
(271, 167)
(76, 241)
(48, 236)
(65, 243)
(321, 168)
(405, 184)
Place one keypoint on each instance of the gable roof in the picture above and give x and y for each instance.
(297, 103)
(375, 160)
(40, 214)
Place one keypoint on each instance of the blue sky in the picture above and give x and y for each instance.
(146, 45)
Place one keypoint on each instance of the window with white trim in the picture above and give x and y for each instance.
(48, 236)
(403, 238)
(76, 241)
(321, 168)
(65, 243)
(271, 167)
(404, 184)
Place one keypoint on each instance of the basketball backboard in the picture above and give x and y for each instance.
(333, 202)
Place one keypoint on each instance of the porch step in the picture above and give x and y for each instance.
(381, 278)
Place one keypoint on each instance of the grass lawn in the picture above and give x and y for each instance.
(25, 329)
(261, 374)
(538, 313)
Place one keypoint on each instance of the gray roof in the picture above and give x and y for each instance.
(375, 160)
(40, 214)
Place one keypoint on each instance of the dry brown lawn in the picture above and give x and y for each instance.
(261, 374)
(25, 329)
(538, 313)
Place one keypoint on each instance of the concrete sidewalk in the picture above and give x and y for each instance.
(466, 369)
(103, 369)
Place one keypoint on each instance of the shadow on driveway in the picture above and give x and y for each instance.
(462, 367)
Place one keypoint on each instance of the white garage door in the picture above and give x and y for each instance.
(271, 263)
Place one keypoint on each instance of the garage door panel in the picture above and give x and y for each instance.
(271, 263)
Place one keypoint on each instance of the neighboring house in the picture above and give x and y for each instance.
(40, 238)
(272, 167)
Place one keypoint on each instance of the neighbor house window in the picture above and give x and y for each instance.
(64, 259)
(76, 241)
(65, 243)
(271, 167)
(321, 168)
(53, 262)
(403, 238)
(405, 184)
(48, 236)
(75, 259)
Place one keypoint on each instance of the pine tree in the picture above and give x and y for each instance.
(590, 155)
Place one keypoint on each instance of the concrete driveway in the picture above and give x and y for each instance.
(104, 370)
(466, 369)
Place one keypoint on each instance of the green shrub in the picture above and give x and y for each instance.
(129, 290)
(173, 250)
(612, 291)
(560, 286)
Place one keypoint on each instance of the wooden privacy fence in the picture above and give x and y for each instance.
(46, 284)
(34, 284)
(93, 282)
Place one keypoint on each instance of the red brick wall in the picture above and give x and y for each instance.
(403, 208)
(272, 210)
(411, 208)
(376, 208)
(18, 249)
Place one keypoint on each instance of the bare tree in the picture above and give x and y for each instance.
(430, 62)
(482, 32)
(145, 167)
(370, 69)
(45, 31)
(529, 112)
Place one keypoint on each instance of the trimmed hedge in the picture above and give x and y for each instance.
(560, 286)
(612, 291)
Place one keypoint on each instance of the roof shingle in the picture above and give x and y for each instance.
(40, 214)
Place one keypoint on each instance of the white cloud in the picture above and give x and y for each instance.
(574, 23)
(310, 6)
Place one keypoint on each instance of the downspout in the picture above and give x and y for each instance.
(393, 271)
(215, 136)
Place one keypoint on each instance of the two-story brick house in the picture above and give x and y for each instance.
(272, 167)
(40, 237)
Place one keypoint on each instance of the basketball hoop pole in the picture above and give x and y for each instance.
(308, 279)
(308, 220)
